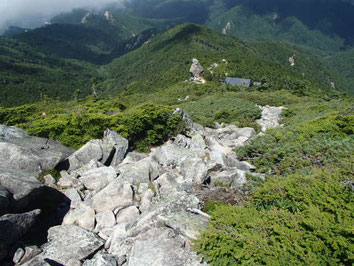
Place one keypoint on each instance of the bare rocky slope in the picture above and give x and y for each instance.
(113, 206)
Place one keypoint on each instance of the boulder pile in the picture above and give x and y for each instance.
(130, 208)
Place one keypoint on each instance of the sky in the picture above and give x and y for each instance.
(26, 12)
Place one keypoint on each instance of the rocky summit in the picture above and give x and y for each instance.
(115, 206)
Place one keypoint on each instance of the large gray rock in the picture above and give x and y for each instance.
(171, 154)
(14, 226)
(74, 196)
(143, 171)
(91, 150)
(29, 154)
(133, 157)
(109, 151)
(128, 215)
(117, 145)
(118, 194)
(83, 216)
(105, 220)
(70, 242)
(161, 247)
(186, 223)
(146, 200)
(24, 187)
(19, 158)
(194, 170)
(231, 177)
(232, 132)
(196, 69)
(98, 178)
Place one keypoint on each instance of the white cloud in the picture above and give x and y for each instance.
(22, 12)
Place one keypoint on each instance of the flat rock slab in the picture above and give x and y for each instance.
(98, 178)
(143, 171)
(171, 154)
(27, 153)
(160, 247)
(186, 223)
(68, 242)
(118, 194)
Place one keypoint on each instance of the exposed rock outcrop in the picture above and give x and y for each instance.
(108, 16)
(270, 117)
(292, 60)
(29, 154)
(68, 243)
(109, 151)
(140, 209)
(87, 17)
(226, 28)
(196, 71)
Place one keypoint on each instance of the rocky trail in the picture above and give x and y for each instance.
(113, 206)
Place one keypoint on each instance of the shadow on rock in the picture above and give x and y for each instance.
(48, 207)
(53, 205)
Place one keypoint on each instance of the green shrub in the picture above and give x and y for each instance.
(302, 213)
(293, 220)
(248, 236)
(11, 116)
(210, 206)
(148, 124)
(227, 108)
(321, 142)
(144, 125)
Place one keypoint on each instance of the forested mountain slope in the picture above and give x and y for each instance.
(28, 74)
(165, 60)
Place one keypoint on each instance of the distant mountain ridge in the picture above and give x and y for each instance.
(117, 50)
(321, 24)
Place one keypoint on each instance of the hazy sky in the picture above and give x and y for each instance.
(21, 12)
